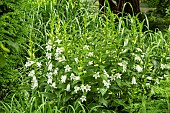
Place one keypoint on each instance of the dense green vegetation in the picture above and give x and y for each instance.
(160, 17)
(62, 57)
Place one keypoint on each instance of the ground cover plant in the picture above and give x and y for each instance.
(78, 62)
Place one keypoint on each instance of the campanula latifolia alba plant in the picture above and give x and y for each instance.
(109, 62)
(80, 62)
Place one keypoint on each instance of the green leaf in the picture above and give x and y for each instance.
(103, 91)
(14, 45)
(103, 101)
(2, 60)
(120, 102)
(49, 95)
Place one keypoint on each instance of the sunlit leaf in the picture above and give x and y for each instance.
(2, 60)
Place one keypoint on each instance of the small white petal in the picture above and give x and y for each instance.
(50, 67)
(39, 64)
(48, 55)
(56, 71)
(32, 73)
(83, 98)
(34, 82)
(90, 54)
(83, 88)
(134, 80)
(48, 47)
(67, 68)
(126, 42)
(53, 85)
(149, 78)
(76, 60)
(86, 47)
(76, 89)
(63, 78)
(96, 75)
(105, 73)
(139, 68)
(90, 63)
(106, 83)
(68, 87)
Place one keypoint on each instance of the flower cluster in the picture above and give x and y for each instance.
(66, 68)
(32, 72)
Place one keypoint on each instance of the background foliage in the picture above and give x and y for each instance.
(13, 32)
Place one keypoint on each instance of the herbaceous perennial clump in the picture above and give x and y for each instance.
(96, 61)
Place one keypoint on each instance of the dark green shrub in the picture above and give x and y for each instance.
(13, 33)
(161, 5)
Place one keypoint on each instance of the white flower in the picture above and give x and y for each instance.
(77, 78)
(88, 88)
(55, 71)
(106, 83)
(58, 41)
(63, 78)
(105, 73)
(138, 49)
(90, 63)
(53, 85)
(157, 81)
(68, 87)
(48, 55)
(161, 77)
(32, 73)
(96, 75)
(120, 64)
(34, 82)
(90, 54)
(48, 47)
(49, 42)
(124, 51)
(165, 66)
(113, 77)
(50, 67)
(165, 76)
(57, 55)
(118, 75)
(72, 76)
(83, 87)
(137, 58)
(134, 80)
(50, 80)
(67, 68)
(86, 47)
(126, 42)
(149, 78)
(49, 74)
(138, 68)
(124, 65)
(83, 98)
(29, 63)
(76, 88)
(39, 64)
(59, 50)
(148, 84)
(76, 60)
(60, 59)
